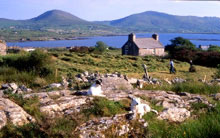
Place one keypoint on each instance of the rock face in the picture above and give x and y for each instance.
(15, 89)
(174, 114)
(217, 96)
(115, 83)
(59, 102)
(14, 113)
(96, 129)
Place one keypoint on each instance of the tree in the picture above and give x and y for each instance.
(214, 48)
(180, 43)
(100, 47)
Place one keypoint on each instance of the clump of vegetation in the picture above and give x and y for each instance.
(104, 107)
(62, 127)
(183, 50)
(26, 67)
(191, 87)
(217, 74)
(214, 48)
(100, 47)
(27, 131)
(192, 69)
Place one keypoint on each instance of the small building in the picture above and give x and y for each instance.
(204, 47)
(3, 48)
(143, 46)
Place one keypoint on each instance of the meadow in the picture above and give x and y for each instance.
(39, 68)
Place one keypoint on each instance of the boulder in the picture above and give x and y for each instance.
(174, 114)
(14, 113)
(132, 80)
(97, 128)
(178, 80)
(217, 96)
(13, 86)
(115, 83)
(55, 85)
(3, 119)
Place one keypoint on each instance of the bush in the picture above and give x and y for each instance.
(62, 127)
(192, 69)
(217, 74)
(25, 67)
(26, 131)
(100, 47)
(82, 49)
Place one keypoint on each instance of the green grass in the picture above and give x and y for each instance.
(205, 125)
(103, 107)
(191, 87)
(112, 61)
(28, 68)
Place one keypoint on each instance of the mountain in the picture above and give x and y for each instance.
(57, 24)
(59, 17)
(152, 21)
(54, 24)
(49, 19)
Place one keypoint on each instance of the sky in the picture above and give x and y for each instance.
(99, 10)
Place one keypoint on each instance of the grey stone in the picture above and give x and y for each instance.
(13, 86)
(55, 85)
(174, 114)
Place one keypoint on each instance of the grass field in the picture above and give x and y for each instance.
(113, 61)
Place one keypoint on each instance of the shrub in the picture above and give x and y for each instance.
(217, 74)
(62, 127)
(82, 49)
(100, 47)
(192, 69)
(27, 131)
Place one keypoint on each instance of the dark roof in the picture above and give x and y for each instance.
(148, 43)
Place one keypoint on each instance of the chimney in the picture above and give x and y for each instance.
(132, 37)
(155, 37)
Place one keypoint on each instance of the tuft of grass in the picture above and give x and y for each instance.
(62, 127)
(26, 131)
(191, 87)
(104, 107)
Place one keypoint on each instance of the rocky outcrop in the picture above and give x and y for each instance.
(57, 103)
(15, 89)
(14, 113)
(115, 83)
(174, 114)
(117, 126)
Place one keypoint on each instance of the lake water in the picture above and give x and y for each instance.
(118, 41)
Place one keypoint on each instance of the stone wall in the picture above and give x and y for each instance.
(159, 52)
(3, 48)
(144, 52)
(156, 51)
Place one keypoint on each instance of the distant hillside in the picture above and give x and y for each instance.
(57, 24)
(54, 24)
(49, 19)
(59, 17)
(161, 22)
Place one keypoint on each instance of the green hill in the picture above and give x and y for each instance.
(54, 24)
(151, 21)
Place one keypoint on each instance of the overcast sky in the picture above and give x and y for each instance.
(106, 9)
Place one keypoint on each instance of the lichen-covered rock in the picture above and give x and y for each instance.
(97, 128)
(217, 96)
(57, 103)
(3, 119)
(115, 83)
(174, 114)
(14, 113)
